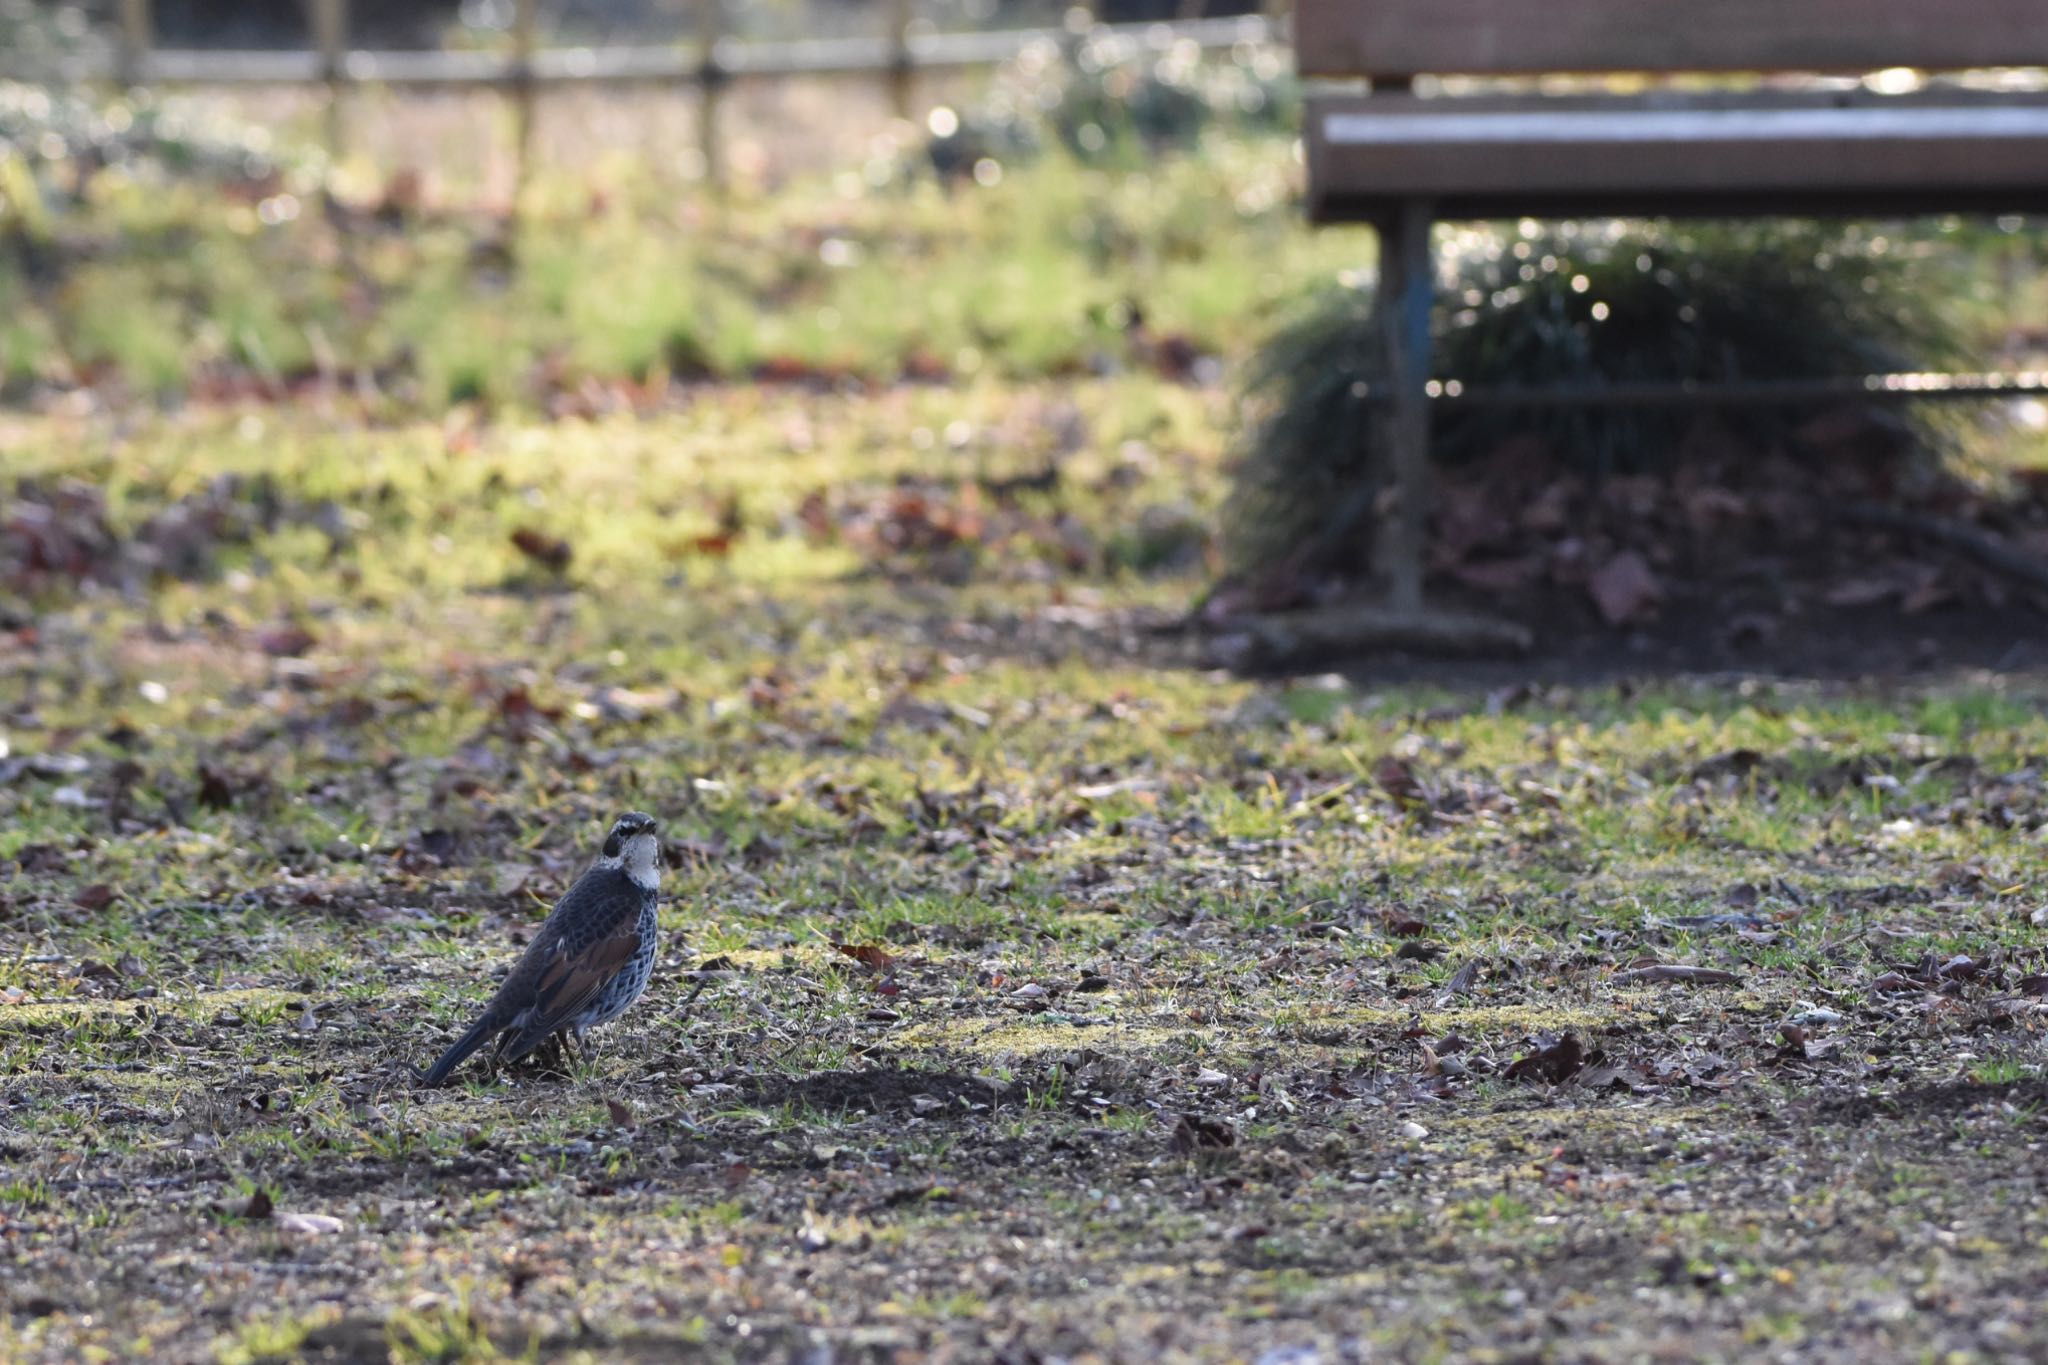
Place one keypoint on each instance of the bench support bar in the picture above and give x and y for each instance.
(1407, 288)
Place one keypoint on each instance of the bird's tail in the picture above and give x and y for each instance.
(469, 1042)
(516, 1046)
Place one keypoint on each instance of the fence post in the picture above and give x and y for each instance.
(330, 37)
(711, 78)
(136, 37)
(525, 22)
(899, 77)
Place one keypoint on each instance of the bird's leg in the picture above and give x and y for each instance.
(547, 1056)
(568, 1047)
(696, 991)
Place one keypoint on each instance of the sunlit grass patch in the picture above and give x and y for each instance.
(1151, 962)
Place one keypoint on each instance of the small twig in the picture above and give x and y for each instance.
(1673, 972)
(1291, 637)
(154, 1182)
(1982, 546)
(703, 980)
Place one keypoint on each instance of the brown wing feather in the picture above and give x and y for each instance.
(568, 982)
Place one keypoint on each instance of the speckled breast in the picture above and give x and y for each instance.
(623, 989)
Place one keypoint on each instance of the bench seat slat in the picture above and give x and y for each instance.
(1549, 158)
(1676, 125)
(1381, 38)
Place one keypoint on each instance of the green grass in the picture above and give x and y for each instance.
(1139, 1078)
(181, 289)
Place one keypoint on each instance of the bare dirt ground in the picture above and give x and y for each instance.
(1055, 1005)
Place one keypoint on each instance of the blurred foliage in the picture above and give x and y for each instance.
(1581, 306)
(36, 28)
(1643, 303)
(63, 137)
(58, 136)
(1110, 99)
(145, 248)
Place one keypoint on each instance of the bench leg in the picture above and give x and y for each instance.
(1407, 290)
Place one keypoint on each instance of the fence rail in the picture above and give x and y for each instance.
(679, 64)
(704, 58)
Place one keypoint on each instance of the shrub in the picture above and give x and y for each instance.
(1112, 100)
(1578, 306)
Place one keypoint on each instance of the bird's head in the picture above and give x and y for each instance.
(634, 845)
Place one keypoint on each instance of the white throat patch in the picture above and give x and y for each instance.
(640, 859)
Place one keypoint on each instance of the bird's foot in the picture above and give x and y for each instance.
(552, 1057)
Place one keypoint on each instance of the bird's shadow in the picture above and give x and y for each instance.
(548, 1062)
(882, 1090)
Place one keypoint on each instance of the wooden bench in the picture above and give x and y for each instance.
(1476, 109)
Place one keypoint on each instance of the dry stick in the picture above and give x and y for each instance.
(710, 85)
(1331, 632)
(1981, 546)
(525, 19)
(703, 980)
(1673, 972)
(902, 71)
(137, 33)
(330, 36)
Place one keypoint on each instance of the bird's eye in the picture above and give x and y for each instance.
(611, 847)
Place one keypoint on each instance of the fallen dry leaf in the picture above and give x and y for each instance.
(1463, 979)
(1500, 575)
(1402, 923)
(868, 955)
(1624, 589)
(1860, 592)
(508, 878)
(285, 641)
(550, 552)
(1925, 597)
(1195, 1134)
(1672, 972)
(1554, 1064)
(1400, 783)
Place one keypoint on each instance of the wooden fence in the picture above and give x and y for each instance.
(706, 58)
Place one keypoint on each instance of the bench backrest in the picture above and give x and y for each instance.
(1393, 39)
